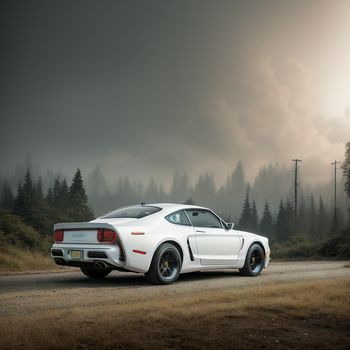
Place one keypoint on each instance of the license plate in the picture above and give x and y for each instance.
(75, 254)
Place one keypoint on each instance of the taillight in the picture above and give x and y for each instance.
(58, 235)
(106, 235)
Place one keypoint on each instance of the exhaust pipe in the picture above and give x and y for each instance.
(59, 261)
(100, 265)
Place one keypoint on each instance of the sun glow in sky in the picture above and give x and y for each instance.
(331, 60)
(335, 95)
(199, 87)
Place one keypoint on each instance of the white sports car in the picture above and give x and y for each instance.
(159, 240)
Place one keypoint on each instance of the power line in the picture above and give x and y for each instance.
(296, 161)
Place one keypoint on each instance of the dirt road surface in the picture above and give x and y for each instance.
(27, 294)
(299, 305)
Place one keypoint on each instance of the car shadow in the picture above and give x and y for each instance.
(118, 280)
(135, 280)
(121, 280)
(209, 274)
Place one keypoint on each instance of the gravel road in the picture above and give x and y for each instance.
(24, 294)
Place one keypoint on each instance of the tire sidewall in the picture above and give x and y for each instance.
(252, 248)
(160, 251)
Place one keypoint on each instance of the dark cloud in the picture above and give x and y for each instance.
(153, 87)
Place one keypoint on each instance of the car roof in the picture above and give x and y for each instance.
(167, 208)
(173, 205)
(170, 207)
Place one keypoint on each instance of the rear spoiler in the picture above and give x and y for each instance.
(82, 226)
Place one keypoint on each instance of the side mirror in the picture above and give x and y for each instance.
(230, 225)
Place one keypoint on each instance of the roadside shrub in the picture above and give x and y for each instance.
(338, 246)
(301, 247)
(15, 232)
(295, 250)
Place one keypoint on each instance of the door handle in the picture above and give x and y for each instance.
(200, 231)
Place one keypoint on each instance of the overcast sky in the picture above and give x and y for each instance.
(144, 88)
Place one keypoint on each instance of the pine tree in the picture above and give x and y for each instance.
(7, 198)
(290, 223)
(60, 194)
(25, 196)
(56, 192)
(78, 201)
(336, 222)
(234, 192)
(77, 191)
(313, 223)
(254, 220)
(303, 216)
(346, 169)
(63, 194)
(346, 174)
(96, 183)
(38, 190)
(181, 187)
(151, 193)
(28, 187)
(1, 186)
(205, 191)
(19, 203)
(162, 194)
(49, 197)
(322, 220)
(282, 228)
(266, 224)
(244, 220)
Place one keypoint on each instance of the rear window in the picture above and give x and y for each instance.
(132, 212)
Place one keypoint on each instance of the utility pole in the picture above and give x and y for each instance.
(296, 161)
(335, 186)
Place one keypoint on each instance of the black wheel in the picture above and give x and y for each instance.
(165, 266)
(95, 273)
(254, 261)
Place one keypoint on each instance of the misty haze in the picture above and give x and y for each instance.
(145, 89)
(239, 106)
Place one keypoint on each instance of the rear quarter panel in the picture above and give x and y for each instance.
(156, 232)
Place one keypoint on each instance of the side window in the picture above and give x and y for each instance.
(179, 218)
(203, 218)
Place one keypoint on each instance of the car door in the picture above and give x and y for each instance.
(216, 245)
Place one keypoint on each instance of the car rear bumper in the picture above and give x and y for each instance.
(67, 254)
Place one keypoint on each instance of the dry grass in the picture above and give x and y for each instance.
(283, 316)
(14, 259)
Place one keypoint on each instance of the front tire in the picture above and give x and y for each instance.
(94, 273)
(165, 266)
(254, 261)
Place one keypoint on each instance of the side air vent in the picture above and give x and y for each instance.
(97, 254)
(190, 250)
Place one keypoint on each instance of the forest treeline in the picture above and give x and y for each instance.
(265, 207)
(27, 217)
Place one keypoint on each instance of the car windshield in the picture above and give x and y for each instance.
(135, 212)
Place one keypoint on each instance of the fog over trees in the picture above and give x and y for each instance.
(264, 205)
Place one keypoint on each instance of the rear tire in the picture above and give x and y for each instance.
(165, 266)
(93, 273)
(254, 261)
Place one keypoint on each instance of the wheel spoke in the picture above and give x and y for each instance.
(256, 260)
(168, 264)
